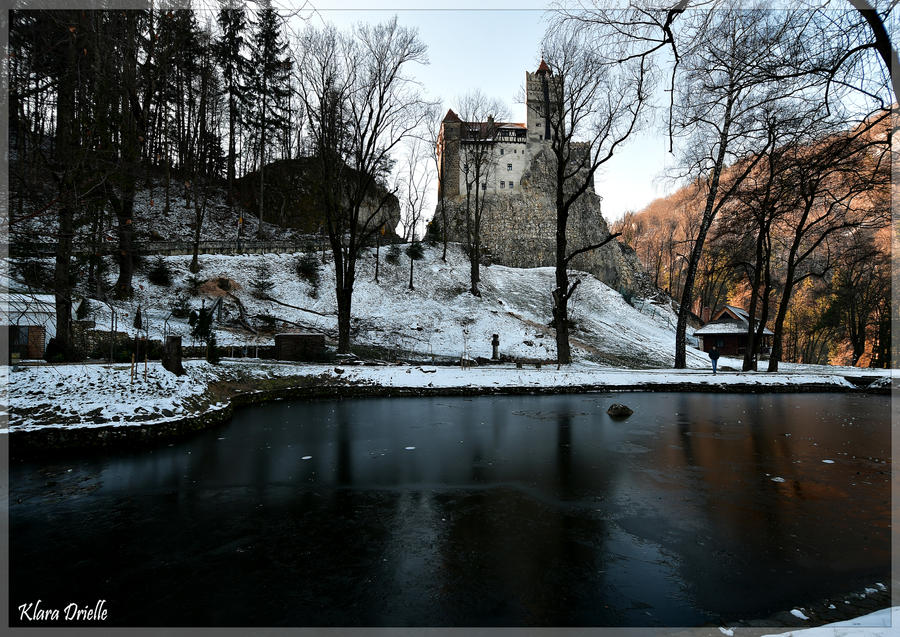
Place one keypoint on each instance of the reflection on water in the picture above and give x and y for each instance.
(485, 511)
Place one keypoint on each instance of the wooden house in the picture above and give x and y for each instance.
(728, 332)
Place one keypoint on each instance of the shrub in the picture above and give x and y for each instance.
(308, 269)
(160, 273)
(193, 283)
(213, 355)
(415, 251)
(267, 322)
(262, 284)
(393, 254)
(181, 309)
(84, 310)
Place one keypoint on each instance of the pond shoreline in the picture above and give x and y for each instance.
(227, 394)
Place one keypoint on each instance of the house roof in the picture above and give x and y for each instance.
(726, 327)
(730, 320)
(27, 309)
(543, 68)
(451, 116)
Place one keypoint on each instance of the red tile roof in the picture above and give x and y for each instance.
(543, 67)
(451, 116)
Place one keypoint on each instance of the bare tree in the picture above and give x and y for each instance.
(414, 183)
(360, 104)
(480, 117)
(592, 102)
(726, 79)
(841, 182)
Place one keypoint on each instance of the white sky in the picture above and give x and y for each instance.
(490, 49)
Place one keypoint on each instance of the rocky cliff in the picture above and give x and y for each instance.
(519, 230)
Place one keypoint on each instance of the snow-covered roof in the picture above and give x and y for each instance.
(726, 327)
(28, 303)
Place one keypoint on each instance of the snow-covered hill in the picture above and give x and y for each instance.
(440, 317)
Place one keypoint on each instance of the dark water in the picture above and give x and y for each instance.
(508, 511)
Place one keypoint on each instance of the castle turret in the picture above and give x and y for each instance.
(537, 100)
(448, 155)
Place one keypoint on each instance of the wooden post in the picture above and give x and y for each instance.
(146, 356)
(132, 368)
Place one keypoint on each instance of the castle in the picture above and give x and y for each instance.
(513, 145)
(518, 220)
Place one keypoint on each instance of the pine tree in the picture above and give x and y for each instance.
(235, 74)
(270, 86)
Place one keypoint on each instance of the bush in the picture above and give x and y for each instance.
(308, 269)
(262, 284)
(160, 273)
(57, 353)
(415, 251)
(84, 310)
(193, 283)
(267, 322)
(33, 272)
(433, 231)
(393, 254)
(181, 309)
(213, 355)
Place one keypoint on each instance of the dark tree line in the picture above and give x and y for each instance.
(105, 103)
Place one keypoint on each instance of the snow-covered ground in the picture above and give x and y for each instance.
(90, 395)
(882, 623)
(439, 317)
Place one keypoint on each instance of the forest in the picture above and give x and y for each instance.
(779, 123)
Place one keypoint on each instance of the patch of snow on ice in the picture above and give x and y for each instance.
(777, 479)
(798, 613)
(828, 461)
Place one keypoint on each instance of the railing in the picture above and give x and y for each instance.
(232, 246)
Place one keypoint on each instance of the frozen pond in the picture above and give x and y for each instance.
(527, 510)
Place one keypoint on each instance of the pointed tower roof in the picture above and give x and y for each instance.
(451, 116)
(543, 68)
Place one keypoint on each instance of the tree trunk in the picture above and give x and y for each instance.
(687, 298)
(561, 293)
(65, 144)
(751, 312)
(124, 215)
(344, 299)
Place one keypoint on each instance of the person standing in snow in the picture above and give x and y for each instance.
(714, 357)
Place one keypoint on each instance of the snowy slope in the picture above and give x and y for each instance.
(439, 317)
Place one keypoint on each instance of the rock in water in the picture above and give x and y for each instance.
(617, 410)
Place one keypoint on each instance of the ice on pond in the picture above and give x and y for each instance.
(306, 458)
(798, 613)
(727, 631)
(828, 461)
(409, 448)
(777, 479)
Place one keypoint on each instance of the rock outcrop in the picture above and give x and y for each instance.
(518, 229)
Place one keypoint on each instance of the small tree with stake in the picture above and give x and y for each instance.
(414, 251)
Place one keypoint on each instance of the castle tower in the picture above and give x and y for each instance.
(537, 103)
(448, 155)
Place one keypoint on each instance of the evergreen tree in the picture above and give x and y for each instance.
(270, 87)
(235, 74)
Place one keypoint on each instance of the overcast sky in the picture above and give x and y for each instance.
(491, 49)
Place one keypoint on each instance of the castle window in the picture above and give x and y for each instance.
(501, 151)
(484, 186)
(541, 137)
(509, 167)
(502, 184)
(511, 185)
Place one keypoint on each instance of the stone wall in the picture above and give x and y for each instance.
(519, 230)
